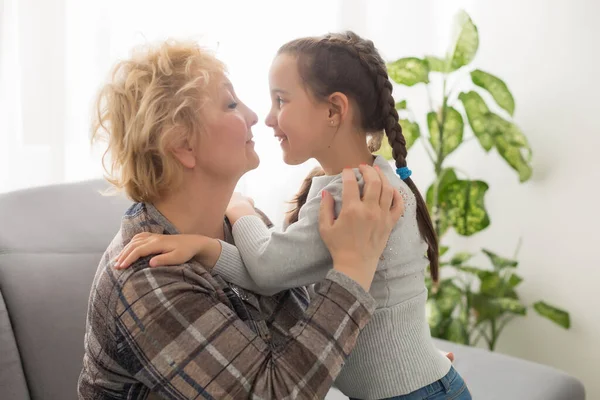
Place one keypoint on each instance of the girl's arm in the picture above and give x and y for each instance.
(276, 261)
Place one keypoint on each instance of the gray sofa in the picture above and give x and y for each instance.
(51, 239)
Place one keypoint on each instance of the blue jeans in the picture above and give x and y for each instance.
(450, 387)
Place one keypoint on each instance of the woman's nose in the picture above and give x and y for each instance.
(251, 117)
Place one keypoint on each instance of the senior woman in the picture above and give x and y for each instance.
(179, 140)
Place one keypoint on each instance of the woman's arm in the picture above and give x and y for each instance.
(183, 343)
(179, 249)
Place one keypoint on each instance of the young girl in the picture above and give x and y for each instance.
(328, 94)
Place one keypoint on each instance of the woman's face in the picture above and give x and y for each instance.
(225, 147)
(299, 121)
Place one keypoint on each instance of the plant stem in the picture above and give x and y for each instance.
(503, 324)
(494, 337)
(427, 149)
(451, 91)
(467, 305)
(440, 160)
(411, 114)
(430, 98)
(482, 334)
(518, 248)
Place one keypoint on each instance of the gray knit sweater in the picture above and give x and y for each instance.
(394, 354)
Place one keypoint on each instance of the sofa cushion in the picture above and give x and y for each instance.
(12, 378)
(51, 240)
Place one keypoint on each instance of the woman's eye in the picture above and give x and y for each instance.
(232, 105)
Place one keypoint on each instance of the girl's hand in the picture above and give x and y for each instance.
(239, 206)
(171, 250)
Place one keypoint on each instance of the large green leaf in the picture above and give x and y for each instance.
(477, 111)
(462, 202)
(437, 64)
(452, 134)
(510, 305)
(499, 262)
(484, 309)
(490, 307)
(514, 280)
(411, 132)
(491, 283)
(491, 129)
(447, 176)
(513, 147)
(465, 43)
(459, 258)
(554, 314)
(409, 71)
(496, 87)
(443, 249)
(457, 332)
(385, 150)
(471, 270)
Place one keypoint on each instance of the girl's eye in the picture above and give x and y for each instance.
(232, 106)
(279, 101)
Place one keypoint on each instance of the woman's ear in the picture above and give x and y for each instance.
(185, 151)
(338, 108)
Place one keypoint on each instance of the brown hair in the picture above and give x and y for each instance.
(151, 103)
(347, 63)
(302, 195)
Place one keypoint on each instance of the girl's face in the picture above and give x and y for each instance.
(301, 123)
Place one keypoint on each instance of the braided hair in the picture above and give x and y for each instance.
(346, 63)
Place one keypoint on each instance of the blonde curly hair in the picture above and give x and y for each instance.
(152, 103)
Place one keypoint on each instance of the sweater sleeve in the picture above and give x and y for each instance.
(282, 260)
(231, 267)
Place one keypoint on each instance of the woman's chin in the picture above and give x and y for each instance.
(253, 161)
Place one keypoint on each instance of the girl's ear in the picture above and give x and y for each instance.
(338, 108)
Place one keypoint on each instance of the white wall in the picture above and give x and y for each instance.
(548, 52)
(554, 45)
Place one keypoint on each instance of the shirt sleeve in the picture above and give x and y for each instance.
(183, 343)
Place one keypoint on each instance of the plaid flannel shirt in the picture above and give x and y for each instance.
(180, 332)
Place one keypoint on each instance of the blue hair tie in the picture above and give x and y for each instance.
(404, 172)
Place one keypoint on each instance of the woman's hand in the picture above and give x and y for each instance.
(357, 238)
(239, 206)
(172, 250)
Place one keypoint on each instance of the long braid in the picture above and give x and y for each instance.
(365, 52)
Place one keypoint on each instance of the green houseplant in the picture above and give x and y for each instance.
(470, 302)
